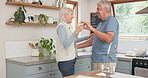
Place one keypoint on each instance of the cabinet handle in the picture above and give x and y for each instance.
(81, 62)
(88, 66)
(50, 74)
(40, 68)
(53, 73)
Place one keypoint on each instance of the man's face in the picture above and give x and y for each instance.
(101, 11)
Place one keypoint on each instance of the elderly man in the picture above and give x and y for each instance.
(106, 32)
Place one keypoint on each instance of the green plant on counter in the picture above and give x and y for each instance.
(43, 18)
(19, 15)
(46, 44)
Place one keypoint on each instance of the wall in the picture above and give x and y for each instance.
(83, 13)
(21, 33)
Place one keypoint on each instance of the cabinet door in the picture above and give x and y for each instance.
(56, 74)
(41, 75)
(124, 67)
(83, 69)
(82, 62)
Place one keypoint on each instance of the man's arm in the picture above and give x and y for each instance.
(106, 37)
(85, 44)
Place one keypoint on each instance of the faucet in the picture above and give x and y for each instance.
(107, 69)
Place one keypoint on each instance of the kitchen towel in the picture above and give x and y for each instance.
(143, 72)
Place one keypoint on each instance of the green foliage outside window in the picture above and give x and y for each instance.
(131, 23)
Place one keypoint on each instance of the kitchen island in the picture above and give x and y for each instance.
(92, 74)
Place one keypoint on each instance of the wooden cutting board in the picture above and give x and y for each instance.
(131, 55)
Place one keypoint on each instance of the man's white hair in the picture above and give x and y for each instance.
(105, 3)
(63, 11)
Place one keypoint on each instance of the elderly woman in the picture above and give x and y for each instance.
(66, 48)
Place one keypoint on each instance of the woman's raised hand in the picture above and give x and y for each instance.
(79, 29)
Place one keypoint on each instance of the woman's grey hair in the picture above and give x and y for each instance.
(105, 3)
(63, 11)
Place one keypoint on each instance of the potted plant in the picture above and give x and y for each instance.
(19, 15)
(46, 47)
(43, 18)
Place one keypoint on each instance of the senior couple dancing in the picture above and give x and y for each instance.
(106, 32)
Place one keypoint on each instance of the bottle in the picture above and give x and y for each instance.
(57, 3)
(61, 3)
(40, 2)
(55, 21)
(64, 3)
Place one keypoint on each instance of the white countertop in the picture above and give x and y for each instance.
(124, 58)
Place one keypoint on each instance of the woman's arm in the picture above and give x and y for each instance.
(63, 36)
(82, 39)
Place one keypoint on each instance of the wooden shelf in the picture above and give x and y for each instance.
(12, 23)
(31, 5)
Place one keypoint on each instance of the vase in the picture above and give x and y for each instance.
(46, 52)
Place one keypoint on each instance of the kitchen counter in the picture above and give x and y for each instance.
(122, 57)
(28, 60)
(92, 74)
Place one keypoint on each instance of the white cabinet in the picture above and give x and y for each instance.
(124, 67)
(83, 65)
(46, 70)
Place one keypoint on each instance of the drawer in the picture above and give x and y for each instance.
(56, 74)
(54, 66)
(53, 74)
(82, 62)
(82, 69)
(41, 75)
(38, 68)
(123, 71)
(123, 65)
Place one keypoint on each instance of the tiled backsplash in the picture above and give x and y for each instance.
(18, 48)
(21, 48)
(126, 45)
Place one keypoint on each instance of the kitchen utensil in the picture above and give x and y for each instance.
(32, 46)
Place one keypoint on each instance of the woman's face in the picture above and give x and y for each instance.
(68, 17)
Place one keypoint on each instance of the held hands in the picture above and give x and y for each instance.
(84, 25)
(87, 25)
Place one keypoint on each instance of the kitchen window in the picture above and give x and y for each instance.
(132, 26)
